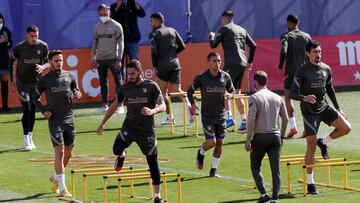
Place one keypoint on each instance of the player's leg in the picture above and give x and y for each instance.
(69, 141)
(240, 72)
(229, 118)
(289, 77)
(274, 159)
(210, 142)
(219, 135)
(133, 48)
(102, 71)
(117, 78)
(260, 145)
(162, 81)
(25, 120)
(122, 141)
(32, 120)
(342, 127)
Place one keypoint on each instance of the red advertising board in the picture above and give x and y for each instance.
(341, 52)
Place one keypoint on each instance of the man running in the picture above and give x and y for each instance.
(29, 54)
(60, 88)
(214, 85)
(143, 99)
(293, 52)
(312, 81)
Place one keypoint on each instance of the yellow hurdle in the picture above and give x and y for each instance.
(164, 175)
(74, 171)
(345, 164)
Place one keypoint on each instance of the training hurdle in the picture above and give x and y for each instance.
(90, 170)
(97, 174)
(345, 164)
(163, 175)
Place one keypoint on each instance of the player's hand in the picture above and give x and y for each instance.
(147, 111)
(310, 99)
(13, 86)
(117, 64)
(249, 66)
(94, 65)
(211, 35)
(228, 95)
(39, 68)
(342, 113)
(77, 94)
(100, 130)
(278, 71)
(47, 114)
(248, 146)
(194, 108)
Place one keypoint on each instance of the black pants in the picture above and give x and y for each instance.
(104, 66)
(269, 144)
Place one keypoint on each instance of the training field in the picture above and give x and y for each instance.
(23, 180)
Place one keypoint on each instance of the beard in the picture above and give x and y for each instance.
(134, 81)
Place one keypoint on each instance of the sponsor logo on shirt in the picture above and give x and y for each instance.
(31, 61)
(144, 89)
(138, 100)
(215, 89)
(38, 52)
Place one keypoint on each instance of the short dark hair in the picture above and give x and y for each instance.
(157, 15)
(312, 44)
(102, 7)
(32, 28)
(134, 63)
(260, 77)
(211, 54)
(228, 14)
(53, 53)
(293, 18)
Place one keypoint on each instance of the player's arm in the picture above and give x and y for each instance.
(284, 119)
(94, 49)
(215, 39)
(230, 88)
(13, 57)
(283, 51)
(45, 61)
(331, 91)
(251, 123)
(120, 43)
(139, 11)
(112, 108)
(295, 88)
(190, 92)
(40, 88)
(75, 88)
(180, 43)
(159, 101)
(252, 45)
(154, 49)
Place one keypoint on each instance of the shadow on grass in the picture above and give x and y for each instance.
(12, 150)
(94, 131)
(281, 196)
(32, 198)
(227, 143)
(173, 137)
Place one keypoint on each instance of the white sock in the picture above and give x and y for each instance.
(30, 136)
(61, 179)
(228, 114)
(215, 162)
(243, 116)
(157, 195)
(202, 151)
(310, 178)
(292, 122)
(187, 102)
(326, 139)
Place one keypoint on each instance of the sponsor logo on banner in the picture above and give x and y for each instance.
(349, 52)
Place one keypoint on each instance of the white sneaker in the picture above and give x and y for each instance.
(103, 109)
(27, 144)
(167, 121)
(120, 110)
(32, 144)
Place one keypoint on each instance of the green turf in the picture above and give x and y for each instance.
(24, 181)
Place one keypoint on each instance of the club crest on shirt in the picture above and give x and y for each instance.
(144, 90)
(38, 52)
(208, 127)
(125, 132)
(57, 135)
(22, 93)
(222, 79)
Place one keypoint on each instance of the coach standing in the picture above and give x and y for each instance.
(264, 135)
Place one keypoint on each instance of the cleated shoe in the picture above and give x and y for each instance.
(323, 148)
(213, 173)
(229, 122)
(242, 125)
(199, 160)
(119, 162)
(54, 184)
(27, 144)
(167, 121)
(311, 188)
(157, 200)
(292, 132)
(65, 193)
(264, 198)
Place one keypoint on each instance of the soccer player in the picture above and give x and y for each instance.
(60, 88)
(311, 82)
(166, 43)
(235, 40)
(106, 53)
(29, 54)
(292, 51)
(264, 134)
(143, 99)
(214, 85)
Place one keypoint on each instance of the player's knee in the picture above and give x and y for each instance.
(211, 142)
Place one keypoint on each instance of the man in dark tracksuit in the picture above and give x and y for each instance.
(29, 54)
(214, 84)
(235, 40)
(60, 88)
(292, 51)
(143, 99)
(264, 135)
(166, 44)
(311, 82)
